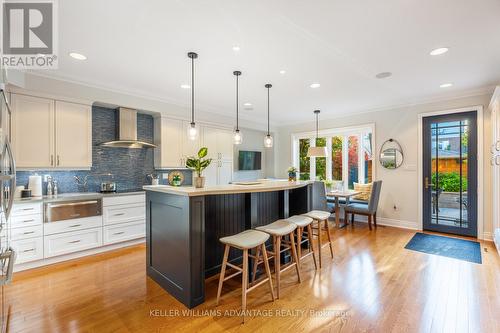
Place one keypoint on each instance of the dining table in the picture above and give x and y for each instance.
(337, 194)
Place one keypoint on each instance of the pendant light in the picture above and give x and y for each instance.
(268, 139)
(238, 137)
(192, 130)
(317, 151)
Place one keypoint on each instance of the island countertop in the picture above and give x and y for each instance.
(240, 187)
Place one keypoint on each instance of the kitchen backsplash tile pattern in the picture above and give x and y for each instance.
(129, 167)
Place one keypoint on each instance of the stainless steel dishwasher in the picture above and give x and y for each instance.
(72, 209)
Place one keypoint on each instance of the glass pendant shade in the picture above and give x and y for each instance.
(192, 132)
(238, 137)
(268, 141)
(317, 152)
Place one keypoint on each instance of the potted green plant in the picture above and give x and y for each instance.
(292, 174)
(198, 164)
(328, 184)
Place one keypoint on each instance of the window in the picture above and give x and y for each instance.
(321, 161)
(337, 157)
(304, 163)
(350, 157)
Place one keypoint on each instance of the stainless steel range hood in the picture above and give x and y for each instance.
(126, 129)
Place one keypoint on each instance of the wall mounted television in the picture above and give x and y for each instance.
(249, 160)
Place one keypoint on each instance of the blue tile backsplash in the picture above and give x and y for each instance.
(129, 167)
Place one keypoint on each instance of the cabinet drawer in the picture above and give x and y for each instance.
(124, 200)
(25, 221)
(26, 232)
(28, 249)
(124, 213)
(58, 244)
(71, 225)
(122, 232)
(20, 209)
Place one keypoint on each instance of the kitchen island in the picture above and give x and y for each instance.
(184, 224)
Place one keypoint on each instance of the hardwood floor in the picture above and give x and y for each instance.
(373, 284)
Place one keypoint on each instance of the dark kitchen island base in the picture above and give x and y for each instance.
(183, 231)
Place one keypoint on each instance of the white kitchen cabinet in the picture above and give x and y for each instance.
(28, 249)
(167, 138)
(73, 138)
(32, 131)
(220, 149)
(123, 232)
(51, 134)
(69, 242)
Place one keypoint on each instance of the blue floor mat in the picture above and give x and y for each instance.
(446, 246)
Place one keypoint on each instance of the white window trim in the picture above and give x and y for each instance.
(343, 132)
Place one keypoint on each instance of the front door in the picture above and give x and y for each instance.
(450, 173)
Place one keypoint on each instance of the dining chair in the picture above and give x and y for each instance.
(367, 209)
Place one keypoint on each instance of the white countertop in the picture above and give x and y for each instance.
(75, 196)
(262, 186)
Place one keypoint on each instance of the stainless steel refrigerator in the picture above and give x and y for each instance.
(7, 188)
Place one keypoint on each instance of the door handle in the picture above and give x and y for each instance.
(427, 184)
(58, 162)
(51, 160)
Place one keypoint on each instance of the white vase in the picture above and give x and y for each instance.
(199, 182)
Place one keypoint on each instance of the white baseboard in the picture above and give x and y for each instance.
(53, 260)
(398, 223)
(390, 222)
(496, 239)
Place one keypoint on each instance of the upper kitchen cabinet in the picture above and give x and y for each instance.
(173, 144)
(73, 124)
(51, 134)
(32, 131)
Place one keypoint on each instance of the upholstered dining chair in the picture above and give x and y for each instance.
(367, 209)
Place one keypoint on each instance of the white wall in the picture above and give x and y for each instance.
(254, 140)
(400, 187)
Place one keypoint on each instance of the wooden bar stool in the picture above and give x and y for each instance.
(321, 218)
(304, 222)
(245, 241)
(279, 229)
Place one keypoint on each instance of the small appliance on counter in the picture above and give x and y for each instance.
(155, 178)
(107, 187)
(108, 184)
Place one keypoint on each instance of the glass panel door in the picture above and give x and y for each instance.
(450, 173)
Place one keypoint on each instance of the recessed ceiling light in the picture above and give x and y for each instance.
(446, 85)
(247, 104)
(236, 48)
(315, 85)
(383, 75)
(77, 56)
(282, 71)
(185, 86)
(438, 51)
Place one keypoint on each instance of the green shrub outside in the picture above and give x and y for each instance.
(450, 181)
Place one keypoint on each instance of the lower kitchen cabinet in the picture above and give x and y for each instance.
(28, 249)
(72, 225)
(68, 242)
(123, 232)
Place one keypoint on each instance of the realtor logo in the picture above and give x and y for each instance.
(29, 37)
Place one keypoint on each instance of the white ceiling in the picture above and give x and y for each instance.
(140, 47)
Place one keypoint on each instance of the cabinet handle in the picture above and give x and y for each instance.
(75, 241)
(29, 250)
(119, 214)
(74, 225)
(28, 208)
(75, 215)
(119, 233)
(28, 232)
(58, 162)
(26, 221)
(51, 160)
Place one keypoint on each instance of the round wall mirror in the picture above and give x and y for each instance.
(391, 154)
